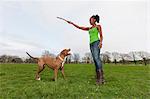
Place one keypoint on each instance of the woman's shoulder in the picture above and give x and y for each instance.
(98, 25)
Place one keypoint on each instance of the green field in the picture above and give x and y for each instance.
(122, 82)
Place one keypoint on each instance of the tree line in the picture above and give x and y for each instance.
(136, 57)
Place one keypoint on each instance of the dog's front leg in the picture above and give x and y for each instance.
(55, 74)
(63, 74)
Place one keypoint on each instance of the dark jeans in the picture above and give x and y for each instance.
(95, 50)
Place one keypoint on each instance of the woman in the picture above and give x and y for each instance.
(95, 45)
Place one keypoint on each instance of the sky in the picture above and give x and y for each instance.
(31, 25)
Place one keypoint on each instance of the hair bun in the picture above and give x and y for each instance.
(97, 18)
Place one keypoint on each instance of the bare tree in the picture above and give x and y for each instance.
(144, 56)
(30, 60)
(76, 57)
(47, 53)
(106, 57)
(134, 57)
(68, 59)
(17, 60)
(10, 59)
(116, 56)
(3, 58)
(125, 57)
(88, 58)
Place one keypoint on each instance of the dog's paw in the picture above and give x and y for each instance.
(52, 79)
(38, 79)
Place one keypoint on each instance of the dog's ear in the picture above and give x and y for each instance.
(63, 52)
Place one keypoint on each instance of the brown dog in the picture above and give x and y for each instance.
(53, 63)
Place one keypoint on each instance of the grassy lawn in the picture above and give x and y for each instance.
(122, 82)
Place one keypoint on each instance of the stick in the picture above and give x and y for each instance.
(62, 19)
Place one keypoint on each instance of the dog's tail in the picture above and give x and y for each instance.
(32, 56)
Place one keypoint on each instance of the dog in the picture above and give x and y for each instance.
(53, 63)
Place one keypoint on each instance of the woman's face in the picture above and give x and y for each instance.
(92, 21)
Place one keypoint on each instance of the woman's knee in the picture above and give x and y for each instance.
(96, 57)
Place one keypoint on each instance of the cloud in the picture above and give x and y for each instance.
(16, 46)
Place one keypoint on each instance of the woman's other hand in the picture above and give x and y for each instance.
(100, 45)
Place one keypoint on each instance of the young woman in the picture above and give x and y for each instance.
(95, 44)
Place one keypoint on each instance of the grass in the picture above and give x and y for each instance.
(123, 82)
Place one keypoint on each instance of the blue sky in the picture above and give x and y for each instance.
(32, 26)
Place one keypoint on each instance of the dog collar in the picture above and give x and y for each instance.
(60, 58)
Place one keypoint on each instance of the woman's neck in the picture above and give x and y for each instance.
(93, 25)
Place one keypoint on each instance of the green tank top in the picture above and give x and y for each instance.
(93, 33)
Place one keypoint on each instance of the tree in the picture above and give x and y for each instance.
(144, 55)
(133, 55)
(125, 57)
(30, 60)
(106, 57)
(76, 57)
(47, 53)
(3, 58)
(10, 59)
(87, 58)
(68, 59)
(116, 56)
(17, 60)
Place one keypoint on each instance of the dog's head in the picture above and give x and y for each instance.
(65, 52)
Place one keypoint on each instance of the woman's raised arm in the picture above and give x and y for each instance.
(79, 27)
